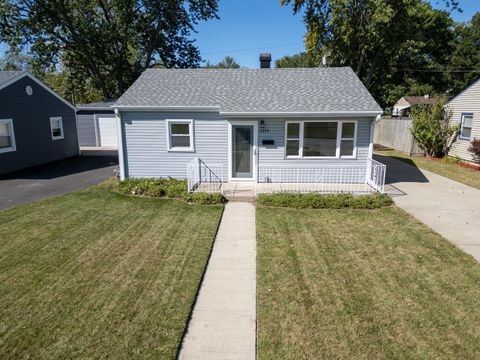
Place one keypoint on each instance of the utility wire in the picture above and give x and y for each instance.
(437, 70)
(250, 49)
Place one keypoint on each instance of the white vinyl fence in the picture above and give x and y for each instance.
(395, 133)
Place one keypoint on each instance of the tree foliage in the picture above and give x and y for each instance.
(432, 129)
(227, 63)
(466, 54)
(106, 42)
(394, 46)
(296, 61)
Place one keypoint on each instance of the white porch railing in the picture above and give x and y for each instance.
(324, 179)
(203, 177)
(271, 178)
(376, 172)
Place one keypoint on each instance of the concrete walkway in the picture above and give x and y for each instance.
(450, 208)
(223, 320)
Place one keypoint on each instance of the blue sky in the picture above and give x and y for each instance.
(248, 27)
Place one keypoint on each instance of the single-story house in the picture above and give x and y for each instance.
(97, 125)
(465, 110)
(267, 126)
(403, 106)
(36, 125)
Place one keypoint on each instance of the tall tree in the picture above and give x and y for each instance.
(295, 61)
(464, 64)
(382, 40)
(227, 63)
(109, 42)
(15, 60)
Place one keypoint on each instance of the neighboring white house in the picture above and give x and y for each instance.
(297, 128)
(465, 109)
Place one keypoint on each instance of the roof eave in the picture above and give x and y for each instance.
(243, 114)
(93, 108)
(166, 108)
(303, 114)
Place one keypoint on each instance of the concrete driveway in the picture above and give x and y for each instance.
(55, 178)
(450, 208)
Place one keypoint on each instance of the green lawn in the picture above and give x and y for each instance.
(362, 284)
(96, 274)
(445, 167)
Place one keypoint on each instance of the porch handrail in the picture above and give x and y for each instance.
(203, 177)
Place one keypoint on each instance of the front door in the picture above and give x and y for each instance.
(243, 151)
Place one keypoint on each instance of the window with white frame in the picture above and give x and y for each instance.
(320, 139)
(56, 126)
(180, 135)
(7, 137)
(292, 142)
(466, 129)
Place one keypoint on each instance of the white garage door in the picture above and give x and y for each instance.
(108, 131)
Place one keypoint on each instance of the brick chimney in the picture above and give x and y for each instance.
(265, 60)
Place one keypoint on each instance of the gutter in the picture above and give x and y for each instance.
(167, 108)
(249, 114)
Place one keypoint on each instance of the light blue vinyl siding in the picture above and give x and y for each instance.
(276, 153)
(145, 143)
(310, 169)
(146, 154)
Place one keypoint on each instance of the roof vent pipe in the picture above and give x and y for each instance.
(265, 60)
(325, 60)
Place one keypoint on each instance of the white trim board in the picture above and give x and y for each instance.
(26, 74)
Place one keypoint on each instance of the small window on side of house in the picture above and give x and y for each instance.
(180, 135)
(7, 136)
(466, 128)
(56, 126)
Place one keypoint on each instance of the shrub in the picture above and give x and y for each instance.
(432, 129)
(204, 198)
(475, 149)
(154, 187)
(318, 201)
(170, 188)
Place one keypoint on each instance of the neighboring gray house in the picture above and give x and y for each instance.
(36, 125)
(96, 125)
(266, 126)
(465, 110)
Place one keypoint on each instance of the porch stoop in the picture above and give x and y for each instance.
(239, 191)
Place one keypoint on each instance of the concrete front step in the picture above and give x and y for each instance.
(241, 198)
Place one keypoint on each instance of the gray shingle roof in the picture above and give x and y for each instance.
(6, 76)
(252, 90)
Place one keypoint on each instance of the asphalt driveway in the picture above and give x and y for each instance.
(55, 178)
(450, 208)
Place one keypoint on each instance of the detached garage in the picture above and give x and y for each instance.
(37, 126)
(97, 125)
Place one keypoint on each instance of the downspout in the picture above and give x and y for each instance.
(121, 161)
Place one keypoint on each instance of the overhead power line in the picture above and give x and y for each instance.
(442, 71)
(250, 49)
